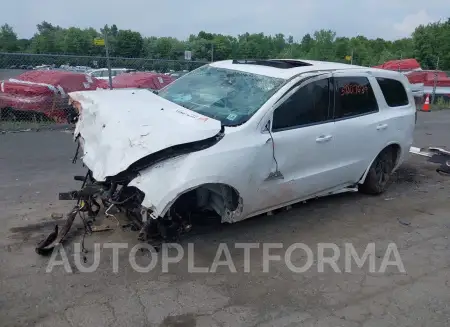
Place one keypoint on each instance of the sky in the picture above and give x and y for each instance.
(388, 19)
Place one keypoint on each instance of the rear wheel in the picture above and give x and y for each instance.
(379, 174)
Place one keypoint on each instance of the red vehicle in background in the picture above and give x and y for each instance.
(402, 65)
(42, 94)
(142, 80)
(429, 81)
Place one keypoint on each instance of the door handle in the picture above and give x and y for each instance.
(382, 126)
(323, 138)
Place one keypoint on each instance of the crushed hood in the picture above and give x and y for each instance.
(116, 128)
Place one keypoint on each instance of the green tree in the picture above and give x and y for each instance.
(432, 42)
(8, 39)
(48, 39)
(222, 47)
(128, 44)
(23, 45)
(76, 41)
(342, 48)
(324, 45)
(429, 43)
(307, 44)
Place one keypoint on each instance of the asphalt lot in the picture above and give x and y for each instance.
(414, 214)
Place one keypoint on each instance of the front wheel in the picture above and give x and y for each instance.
(379, 174)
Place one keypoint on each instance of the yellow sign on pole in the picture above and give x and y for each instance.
(348, 58)
(99, 41)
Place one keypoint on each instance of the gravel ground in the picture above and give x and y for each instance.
(414, 214)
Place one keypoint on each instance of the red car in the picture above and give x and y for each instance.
(42, 94)
(141, 80)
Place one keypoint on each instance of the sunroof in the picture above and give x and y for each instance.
(277, 63)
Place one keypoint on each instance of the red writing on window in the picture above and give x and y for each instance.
(352, 89)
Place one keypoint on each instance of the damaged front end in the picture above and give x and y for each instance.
(114, 161)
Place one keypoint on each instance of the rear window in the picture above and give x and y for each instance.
(354, 97)
(394, 92)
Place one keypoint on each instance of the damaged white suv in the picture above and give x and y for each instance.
(238, 138)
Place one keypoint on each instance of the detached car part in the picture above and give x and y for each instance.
(435, 155)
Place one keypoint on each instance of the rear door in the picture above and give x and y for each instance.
(398, 109)
(360, 127)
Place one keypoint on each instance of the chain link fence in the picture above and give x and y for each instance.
(436, 88)
(440, 91)
(34, 87)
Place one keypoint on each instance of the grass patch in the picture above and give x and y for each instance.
(441, 104)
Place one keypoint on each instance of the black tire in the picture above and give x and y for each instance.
(379, 174)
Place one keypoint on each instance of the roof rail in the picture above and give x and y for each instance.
(329, 70)
(283, 64)
(319, 71)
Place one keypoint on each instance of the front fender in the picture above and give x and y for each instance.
(163, 183)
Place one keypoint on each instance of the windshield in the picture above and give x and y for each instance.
(224, 94)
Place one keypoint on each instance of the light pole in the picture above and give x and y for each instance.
(435, 81)
(108, 62)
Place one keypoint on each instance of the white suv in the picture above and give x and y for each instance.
(243, 137)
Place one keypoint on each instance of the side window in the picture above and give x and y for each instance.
(309, 105)
(105, 73)
(97, 74)
(354, 97)
(394, 92)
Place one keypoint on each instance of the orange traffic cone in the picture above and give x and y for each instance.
(426, 105)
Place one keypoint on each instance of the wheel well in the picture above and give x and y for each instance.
(396, 151)
(218, 197)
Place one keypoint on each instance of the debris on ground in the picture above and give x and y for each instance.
(405, 223)
(101, 228)
(57, 215)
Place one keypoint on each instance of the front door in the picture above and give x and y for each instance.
(299, 145)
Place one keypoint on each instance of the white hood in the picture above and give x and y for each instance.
(119, 127)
